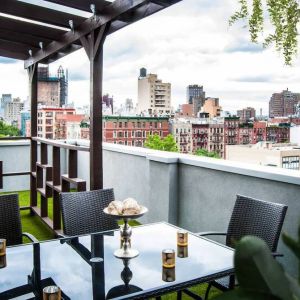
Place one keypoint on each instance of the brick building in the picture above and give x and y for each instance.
(46, 121)
(67, 126)
(200, 136)
(259, 132)
(245, 134)
(246, 114)
(231, 130)
(278, 133)
(133, 131)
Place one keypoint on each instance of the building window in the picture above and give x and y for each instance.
(290, 162)
(120, 124)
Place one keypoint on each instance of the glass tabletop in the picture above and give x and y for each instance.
(86, 268)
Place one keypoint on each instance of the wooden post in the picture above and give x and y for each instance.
(93, 45)
(33, 88)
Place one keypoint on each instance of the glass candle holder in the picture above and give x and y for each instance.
(2, 247)
(182, 238)
(182, 251)
(168, 258)
(2, 261)
(168, 274)
(52, 292)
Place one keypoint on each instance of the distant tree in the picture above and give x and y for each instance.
(204, 152)
(8, 130)
(164, 144)
(284, 16)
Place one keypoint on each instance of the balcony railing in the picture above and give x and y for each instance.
(162, 182)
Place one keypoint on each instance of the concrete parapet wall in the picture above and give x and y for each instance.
(195, 193)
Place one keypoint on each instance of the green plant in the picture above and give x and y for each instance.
(8, 130)
(284, 16)
(259, 275)
(204, 152)
(164, 144)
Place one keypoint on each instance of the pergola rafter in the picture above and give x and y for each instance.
(29, 32)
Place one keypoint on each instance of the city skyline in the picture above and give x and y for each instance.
(191, 48)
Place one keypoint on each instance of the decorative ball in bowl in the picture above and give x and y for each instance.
(125, 210)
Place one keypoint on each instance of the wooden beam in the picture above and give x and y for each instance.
(39, 13)
(94, 48)
(13, 54)
(109, 13)
(33, 87)
(83, 4)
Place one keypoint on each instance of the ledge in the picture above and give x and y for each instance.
(270, 173)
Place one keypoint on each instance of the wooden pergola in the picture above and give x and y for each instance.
(40, 34)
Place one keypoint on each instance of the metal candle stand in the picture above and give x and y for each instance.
(126, 232)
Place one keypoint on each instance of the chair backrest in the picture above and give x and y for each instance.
(255, 217)
(82, 212)
(10, 220)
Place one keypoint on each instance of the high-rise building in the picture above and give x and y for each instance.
(246, 114)
(24, 116)
(52, 90)
(154, 96)
(194, 91)
(212, 107)
(4, 99)
(12, 110)
(283, 104)
(196, 97)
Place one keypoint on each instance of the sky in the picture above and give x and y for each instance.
(188, 43)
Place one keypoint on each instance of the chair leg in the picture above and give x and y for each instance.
(207, 291)
(179, 295)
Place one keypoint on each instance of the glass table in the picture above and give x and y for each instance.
(84, 267)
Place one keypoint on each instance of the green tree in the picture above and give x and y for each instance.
(164, 144)
(8, 130)
(204, 152)
(284, 16)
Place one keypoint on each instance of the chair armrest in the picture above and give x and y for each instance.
(211, 233)
(30, 237)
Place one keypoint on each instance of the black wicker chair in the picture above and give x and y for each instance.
(82, 212)
(10, 221)
(249, 217)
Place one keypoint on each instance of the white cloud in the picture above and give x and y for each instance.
(185, 44)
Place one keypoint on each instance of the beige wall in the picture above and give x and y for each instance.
(258, 156)
(211, 108)
(49, 93)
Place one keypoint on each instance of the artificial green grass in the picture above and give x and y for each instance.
(33, 225)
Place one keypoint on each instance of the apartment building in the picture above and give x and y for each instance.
(67, 126)
(246, 114)
(231, 130)
(200, 133)
(182, 132)
(133, 131)
(212, 107)
(154, 96)
(278, 133)
(12, 110)
(246, 134)
(283, 104)
(216, 135)
(47, 121)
